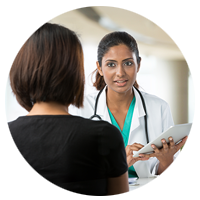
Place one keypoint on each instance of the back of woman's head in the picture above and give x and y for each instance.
(111, 40)
(49, 67)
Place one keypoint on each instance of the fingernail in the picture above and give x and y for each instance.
(170, 138)
(153, 146)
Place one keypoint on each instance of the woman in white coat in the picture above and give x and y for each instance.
(120, 104)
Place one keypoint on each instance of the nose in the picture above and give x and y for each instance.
(120, 72)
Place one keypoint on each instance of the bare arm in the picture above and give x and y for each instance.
(118, 184)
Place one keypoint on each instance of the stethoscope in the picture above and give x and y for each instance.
(143, 104)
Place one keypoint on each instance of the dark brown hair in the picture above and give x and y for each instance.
(108, 41)
(49, 67)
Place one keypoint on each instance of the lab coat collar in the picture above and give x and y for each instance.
(102, 109)
(139, 109)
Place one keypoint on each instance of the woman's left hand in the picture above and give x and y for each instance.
(166, 153)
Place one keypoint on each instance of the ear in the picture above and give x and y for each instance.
(138, 68)
(99, 68)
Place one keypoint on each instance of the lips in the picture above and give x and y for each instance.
(120, 83)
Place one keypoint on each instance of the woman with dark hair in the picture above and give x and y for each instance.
(74, 153)
(121, 103)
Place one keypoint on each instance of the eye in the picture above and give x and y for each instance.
(111, 64)
(128, 63)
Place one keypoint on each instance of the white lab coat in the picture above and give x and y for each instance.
(159, 118)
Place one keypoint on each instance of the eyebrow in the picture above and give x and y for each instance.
(115, 60)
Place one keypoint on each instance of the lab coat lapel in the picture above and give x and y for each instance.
(141, 167)
(102, 109)
(137, 113)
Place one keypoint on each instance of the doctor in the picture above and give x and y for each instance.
(121, 104)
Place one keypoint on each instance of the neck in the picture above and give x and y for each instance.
(119, 100)
(48, 108)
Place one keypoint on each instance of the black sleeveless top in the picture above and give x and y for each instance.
(74, 153)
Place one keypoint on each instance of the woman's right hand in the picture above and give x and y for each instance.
(129, 153)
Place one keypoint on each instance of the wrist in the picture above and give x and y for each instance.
(165, 163)
(166, 168)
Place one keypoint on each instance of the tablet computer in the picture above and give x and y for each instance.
(178, 132)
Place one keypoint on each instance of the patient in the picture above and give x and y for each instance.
(77, 154)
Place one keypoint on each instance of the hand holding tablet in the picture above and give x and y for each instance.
(177, 132)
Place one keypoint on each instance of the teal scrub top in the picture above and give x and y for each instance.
(125, 131)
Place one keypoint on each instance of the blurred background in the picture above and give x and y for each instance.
(163, 72)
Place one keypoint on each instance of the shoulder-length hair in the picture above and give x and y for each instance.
(49, 67)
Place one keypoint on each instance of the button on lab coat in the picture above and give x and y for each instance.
(159, 118)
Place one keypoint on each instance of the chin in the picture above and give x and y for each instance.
(122, 90)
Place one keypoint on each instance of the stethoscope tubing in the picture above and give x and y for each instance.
(143, 104)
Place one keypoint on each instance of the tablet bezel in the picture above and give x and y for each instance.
(178, 132)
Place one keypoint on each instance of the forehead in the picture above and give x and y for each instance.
(119, 52)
